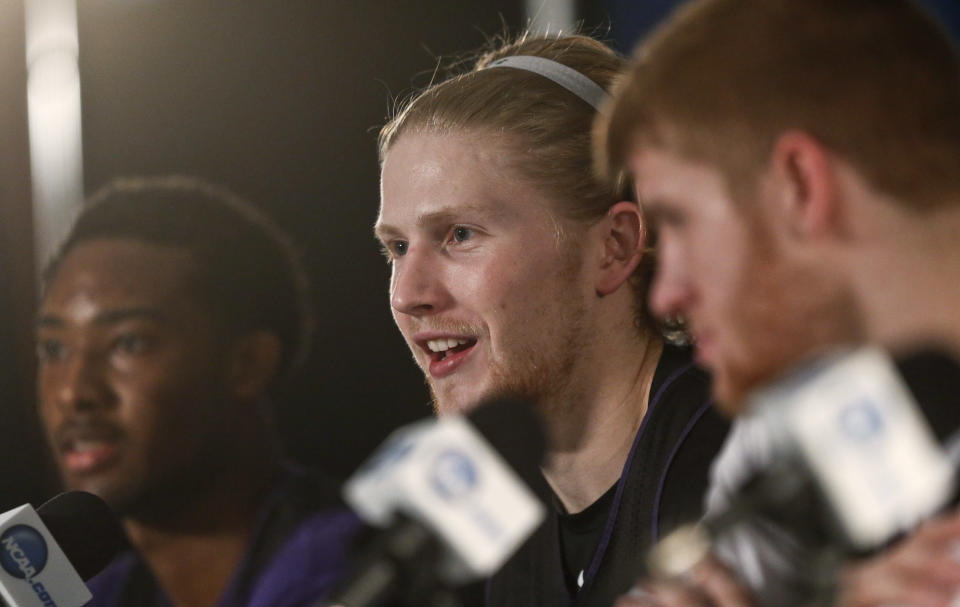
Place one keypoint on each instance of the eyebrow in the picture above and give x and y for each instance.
(443, 214)
(109, 317)
(652, 206)
(652, 209)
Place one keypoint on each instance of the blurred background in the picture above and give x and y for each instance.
(279, 101)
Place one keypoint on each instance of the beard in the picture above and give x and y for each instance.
(540, 371)
(789, 311)
(543, 374)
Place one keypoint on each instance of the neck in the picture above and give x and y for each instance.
(592, 437)
(212, 526)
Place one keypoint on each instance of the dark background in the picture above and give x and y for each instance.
(280, 100)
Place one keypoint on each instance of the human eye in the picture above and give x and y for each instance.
(461, 233)
(393, 249)
(50, 350)
(131, 344)
(668, 218)
(675, 219)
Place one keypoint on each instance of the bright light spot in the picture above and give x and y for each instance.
(53, 103)
(551, 16)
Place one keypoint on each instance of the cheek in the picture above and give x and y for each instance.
(401, 320)
(393, 282)
(506, 288)
(150, 394)
(46, 408)
(506, 279)
(49, 414)
(722, 271)
(482, 288)
(140, 402)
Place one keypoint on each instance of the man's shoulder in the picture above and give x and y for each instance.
(666, 477)
(679, 380)
(680, 405)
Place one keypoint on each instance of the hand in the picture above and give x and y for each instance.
(708, 584)
(922, 570)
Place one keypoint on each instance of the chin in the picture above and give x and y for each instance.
(90, 485)
(452, 406)
(729, 397)
(455, 401)
(729, 408)
(115, 492)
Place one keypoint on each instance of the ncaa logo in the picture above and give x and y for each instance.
(23, 551)
(453, 475)
(861, 420)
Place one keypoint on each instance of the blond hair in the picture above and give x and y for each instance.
(549, 126)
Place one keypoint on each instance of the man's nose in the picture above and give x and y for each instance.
(670, 294)
(417, 285)
(81, 384)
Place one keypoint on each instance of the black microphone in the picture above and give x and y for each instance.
(453, 500)
(86, 529)
(44, 553)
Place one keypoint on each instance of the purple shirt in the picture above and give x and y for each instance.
(303, 563)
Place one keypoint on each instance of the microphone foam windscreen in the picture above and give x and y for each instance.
(933, 376)
(516, 431)
(85, 528)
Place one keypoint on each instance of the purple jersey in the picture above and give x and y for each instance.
(299, 550)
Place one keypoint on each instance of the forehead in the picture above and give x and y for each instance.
(663, 177)
(427, 173)
(104, 273)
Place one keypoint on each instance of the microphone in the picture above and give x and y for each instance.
(453, 500)
(47, 553)
(851, 459)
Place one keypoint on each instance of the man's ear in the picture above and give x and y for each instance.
(805, 184)
(624, 240)
(253, 364)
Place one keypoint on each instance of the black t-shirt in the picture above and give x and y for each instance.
(579, 535)
(662, 486)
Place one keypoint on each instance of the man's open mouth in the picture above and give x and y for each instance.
(443, 347)
(87, 448)
(88, 456)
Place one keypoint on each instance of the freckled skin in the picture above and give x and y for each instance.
(510, 283)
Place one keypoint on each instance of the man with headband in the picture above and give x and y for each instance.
(801, 161)
(514, 270)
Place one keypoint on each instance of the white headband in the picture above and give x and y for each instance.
(565, 76)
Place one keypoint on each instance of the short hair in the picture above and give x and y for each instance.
(245, 267)
(875, 81)
(549, 125)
